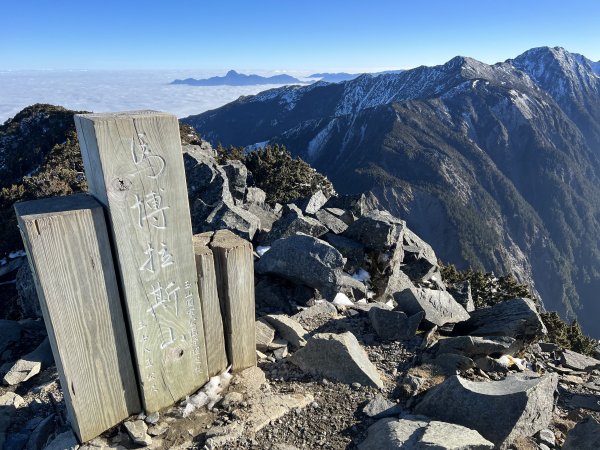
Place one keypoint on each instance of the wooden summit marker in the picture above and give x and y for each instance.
(211, 309)
(234, 267)
(69, 252)
(134, 167)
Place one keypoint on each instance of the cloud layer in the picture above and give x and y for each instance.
(101, 91)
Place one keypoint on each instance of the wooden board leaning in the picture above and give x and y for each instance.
(69, 251)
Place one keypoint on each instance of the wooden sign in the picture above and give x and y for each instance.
(134, 166)
(234, 266)
(211, 309)
(69, 252)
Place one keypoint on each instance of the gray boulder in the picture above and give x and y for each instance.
(420, 262)
(378, 230)
(316, 315)
(237, 176)
(358, 204)
(306, 260)
(265, 215)
(265, 334)
(462, 294)
(205, 178)
(499, 410)
(394, 325)
(310, 205)
(63, 441)
(439, 306)
(293, 222)
(577, 361)
(474, 346)
(342, 214)
(30, 364)
(335, 224)
(584, 436)
(380, 407)
(516, 318)
(420, 433)
(338, 357)
(288, 329)
(226, 215)
(392, 282)
(353, 251)
(27, 300)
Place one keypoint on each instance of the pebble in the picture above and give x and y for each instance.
(152, 419)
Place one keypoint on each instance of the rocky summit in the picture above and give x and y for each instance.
(364, 341)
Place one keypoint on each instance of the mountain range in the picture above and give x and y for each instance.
(233, 78)
(497, 166)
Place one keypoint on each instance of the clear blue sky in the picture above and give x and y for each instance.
(286, 35)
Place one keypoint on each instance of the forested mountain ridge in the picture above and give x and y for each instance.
(497, 166)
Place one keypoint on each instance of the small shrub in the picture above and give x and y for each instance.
(486, 288)
(568, 336)
(275, 171)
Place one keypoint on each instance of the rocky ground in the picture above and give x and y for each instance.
(361, 344)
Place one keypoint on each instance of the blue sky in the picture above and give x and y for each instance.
(267, 35)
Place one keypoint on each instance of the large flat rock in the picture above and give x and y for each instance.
(337, 357)
(577, 361)
(439, 306)
(499, 410)
(418, 433)
(377, 230)
(474, 346)
(517, 318)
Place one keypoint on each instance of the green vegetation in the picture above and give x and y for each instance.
(568, 336)
(488, 290)
(61, 174)
(276, 172)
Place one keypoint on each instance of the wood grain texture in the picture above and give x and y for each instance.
(211, 308)
(69, 252)
(134, 166)
(234, 265)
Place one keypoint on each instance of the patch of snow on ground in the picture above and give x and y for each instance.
(318, 142)
(362, 275)
(342, 300)
(261, 250)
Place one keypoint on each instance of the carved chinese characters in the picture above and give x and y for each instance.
(134, 167)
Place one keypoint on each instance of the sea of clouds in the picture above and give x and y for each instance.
(104, 90)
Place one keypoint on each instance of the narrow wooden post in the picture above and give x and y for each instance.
(234, 265)
(134, 166)
(69, 252)
(211, 309)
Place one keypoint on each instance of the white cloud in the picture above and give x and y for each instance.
(101, 91)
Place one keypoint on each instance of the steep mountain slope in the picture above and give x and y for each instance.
(497, 166)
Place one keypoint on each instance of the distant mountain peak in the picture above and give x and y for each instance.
(233, 78)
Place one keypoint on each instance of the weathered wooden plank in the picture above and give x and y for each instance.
(211, 309)
(69, 251)
(234, 265)
(134, 166)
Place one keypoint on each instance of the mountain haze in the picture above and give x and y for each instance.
(497, 166)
